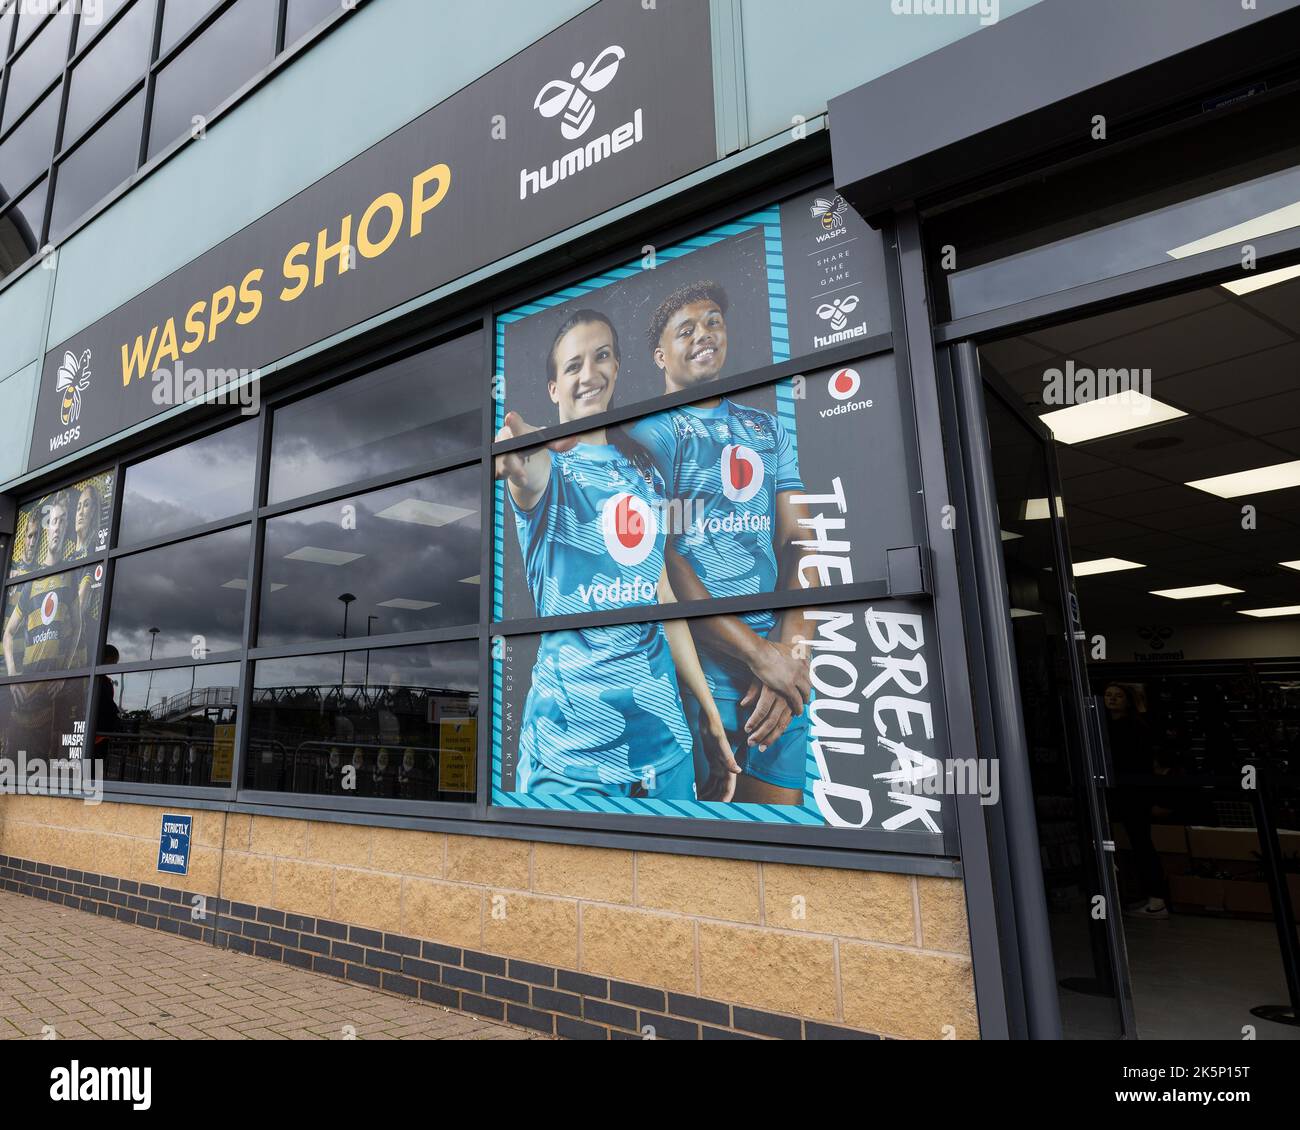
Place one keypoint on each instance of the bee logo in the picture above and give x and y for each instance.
(73, 380)
(830, 212)
(570, 98)
(838, 311)
(1155, 636)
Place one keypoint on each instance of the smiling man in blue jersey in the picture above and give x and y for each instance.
(604, 714)
(735, 471)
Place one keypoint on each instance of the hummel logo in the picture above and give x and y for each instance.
(570, 98)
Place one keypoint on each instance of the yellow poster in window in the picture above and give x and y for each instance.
(223, 753)
(457, 749)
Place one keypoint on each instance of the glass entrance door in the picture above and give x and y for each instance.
(1065, 754)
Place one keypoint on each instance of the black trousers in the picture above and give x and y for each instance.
(1133, 807)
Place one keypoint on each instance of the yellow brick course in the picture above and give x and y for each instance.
(639, 945)
(784, 972)
(882, 952)
(855, 904)
(899, 992)
(532, 927)
(709, 888)
(582, 872)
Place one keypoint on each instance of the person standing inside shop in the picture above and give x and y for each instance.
(604, 714)
(1133, 753)
(735, 471)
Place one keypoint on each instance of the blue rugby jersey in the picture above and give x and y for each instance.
(604, 705)
(726, 464)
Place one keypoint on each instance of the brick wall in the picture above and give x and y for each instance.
(581, 941)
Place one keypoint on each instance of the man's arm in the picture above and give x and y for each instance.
(783, 678)
(11, 630)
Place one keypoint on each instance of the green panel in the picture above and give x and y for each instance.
(798, 57)
(15, 420)
(22, 325)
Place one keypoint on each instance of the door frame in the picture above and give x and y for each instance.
(1013, 830)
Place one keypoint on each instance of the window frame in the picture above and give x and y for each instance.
(823, 845)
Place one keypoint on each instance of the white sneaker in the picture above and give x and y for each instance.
(1152, 908)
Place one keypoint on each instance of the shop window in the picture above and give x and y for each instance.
(40, 63)
(97, 166)
(423, 408)
(402, 559)
(189, 486)
(30, 17)
(184, 601)
(25, 151)
(51, 623)
(119, 59)
(67, 525)
(43, 721)
(304, 16)
(96, 16)
(168, 727)
(224, 57)
(178, 17)
(20, 228)
(391, 724)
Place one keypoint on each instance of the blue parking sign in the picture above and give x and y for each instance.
(174, 844)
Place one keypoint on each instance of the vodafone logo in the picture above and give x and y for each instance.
(742, 472)
(845, 384)
(99, 572)
(629, 527)
(49, 607)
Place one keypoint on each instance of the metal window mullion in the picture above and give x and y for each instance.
(170, 663)
(301, 648)
(458, 461)
(214, 13)
(876, 346)
(149, 83)
(703, 609)
(281, 23)
(487, 702)
(252, 604)
(62, 154)
(101, 630)
(47, 217)
(220, 525)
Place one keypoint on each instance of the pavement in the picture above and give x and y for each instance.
(65, 974)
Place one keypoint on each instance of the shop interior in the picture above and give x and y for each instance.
(1181, 505)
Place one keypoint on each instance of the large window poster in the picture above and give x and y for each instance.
(63, 527)
(814, 715)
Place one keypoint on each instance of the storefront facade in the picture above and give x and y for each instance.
(385, 685)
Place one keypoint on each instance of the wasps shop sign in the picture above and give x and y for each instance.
(572, 126)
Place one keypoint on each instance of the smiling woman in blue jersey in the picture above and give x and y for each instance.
(604, 713)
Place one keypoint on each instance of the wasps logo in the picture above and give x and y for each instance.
(570, 98)
(830, 212)
(73, 380)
